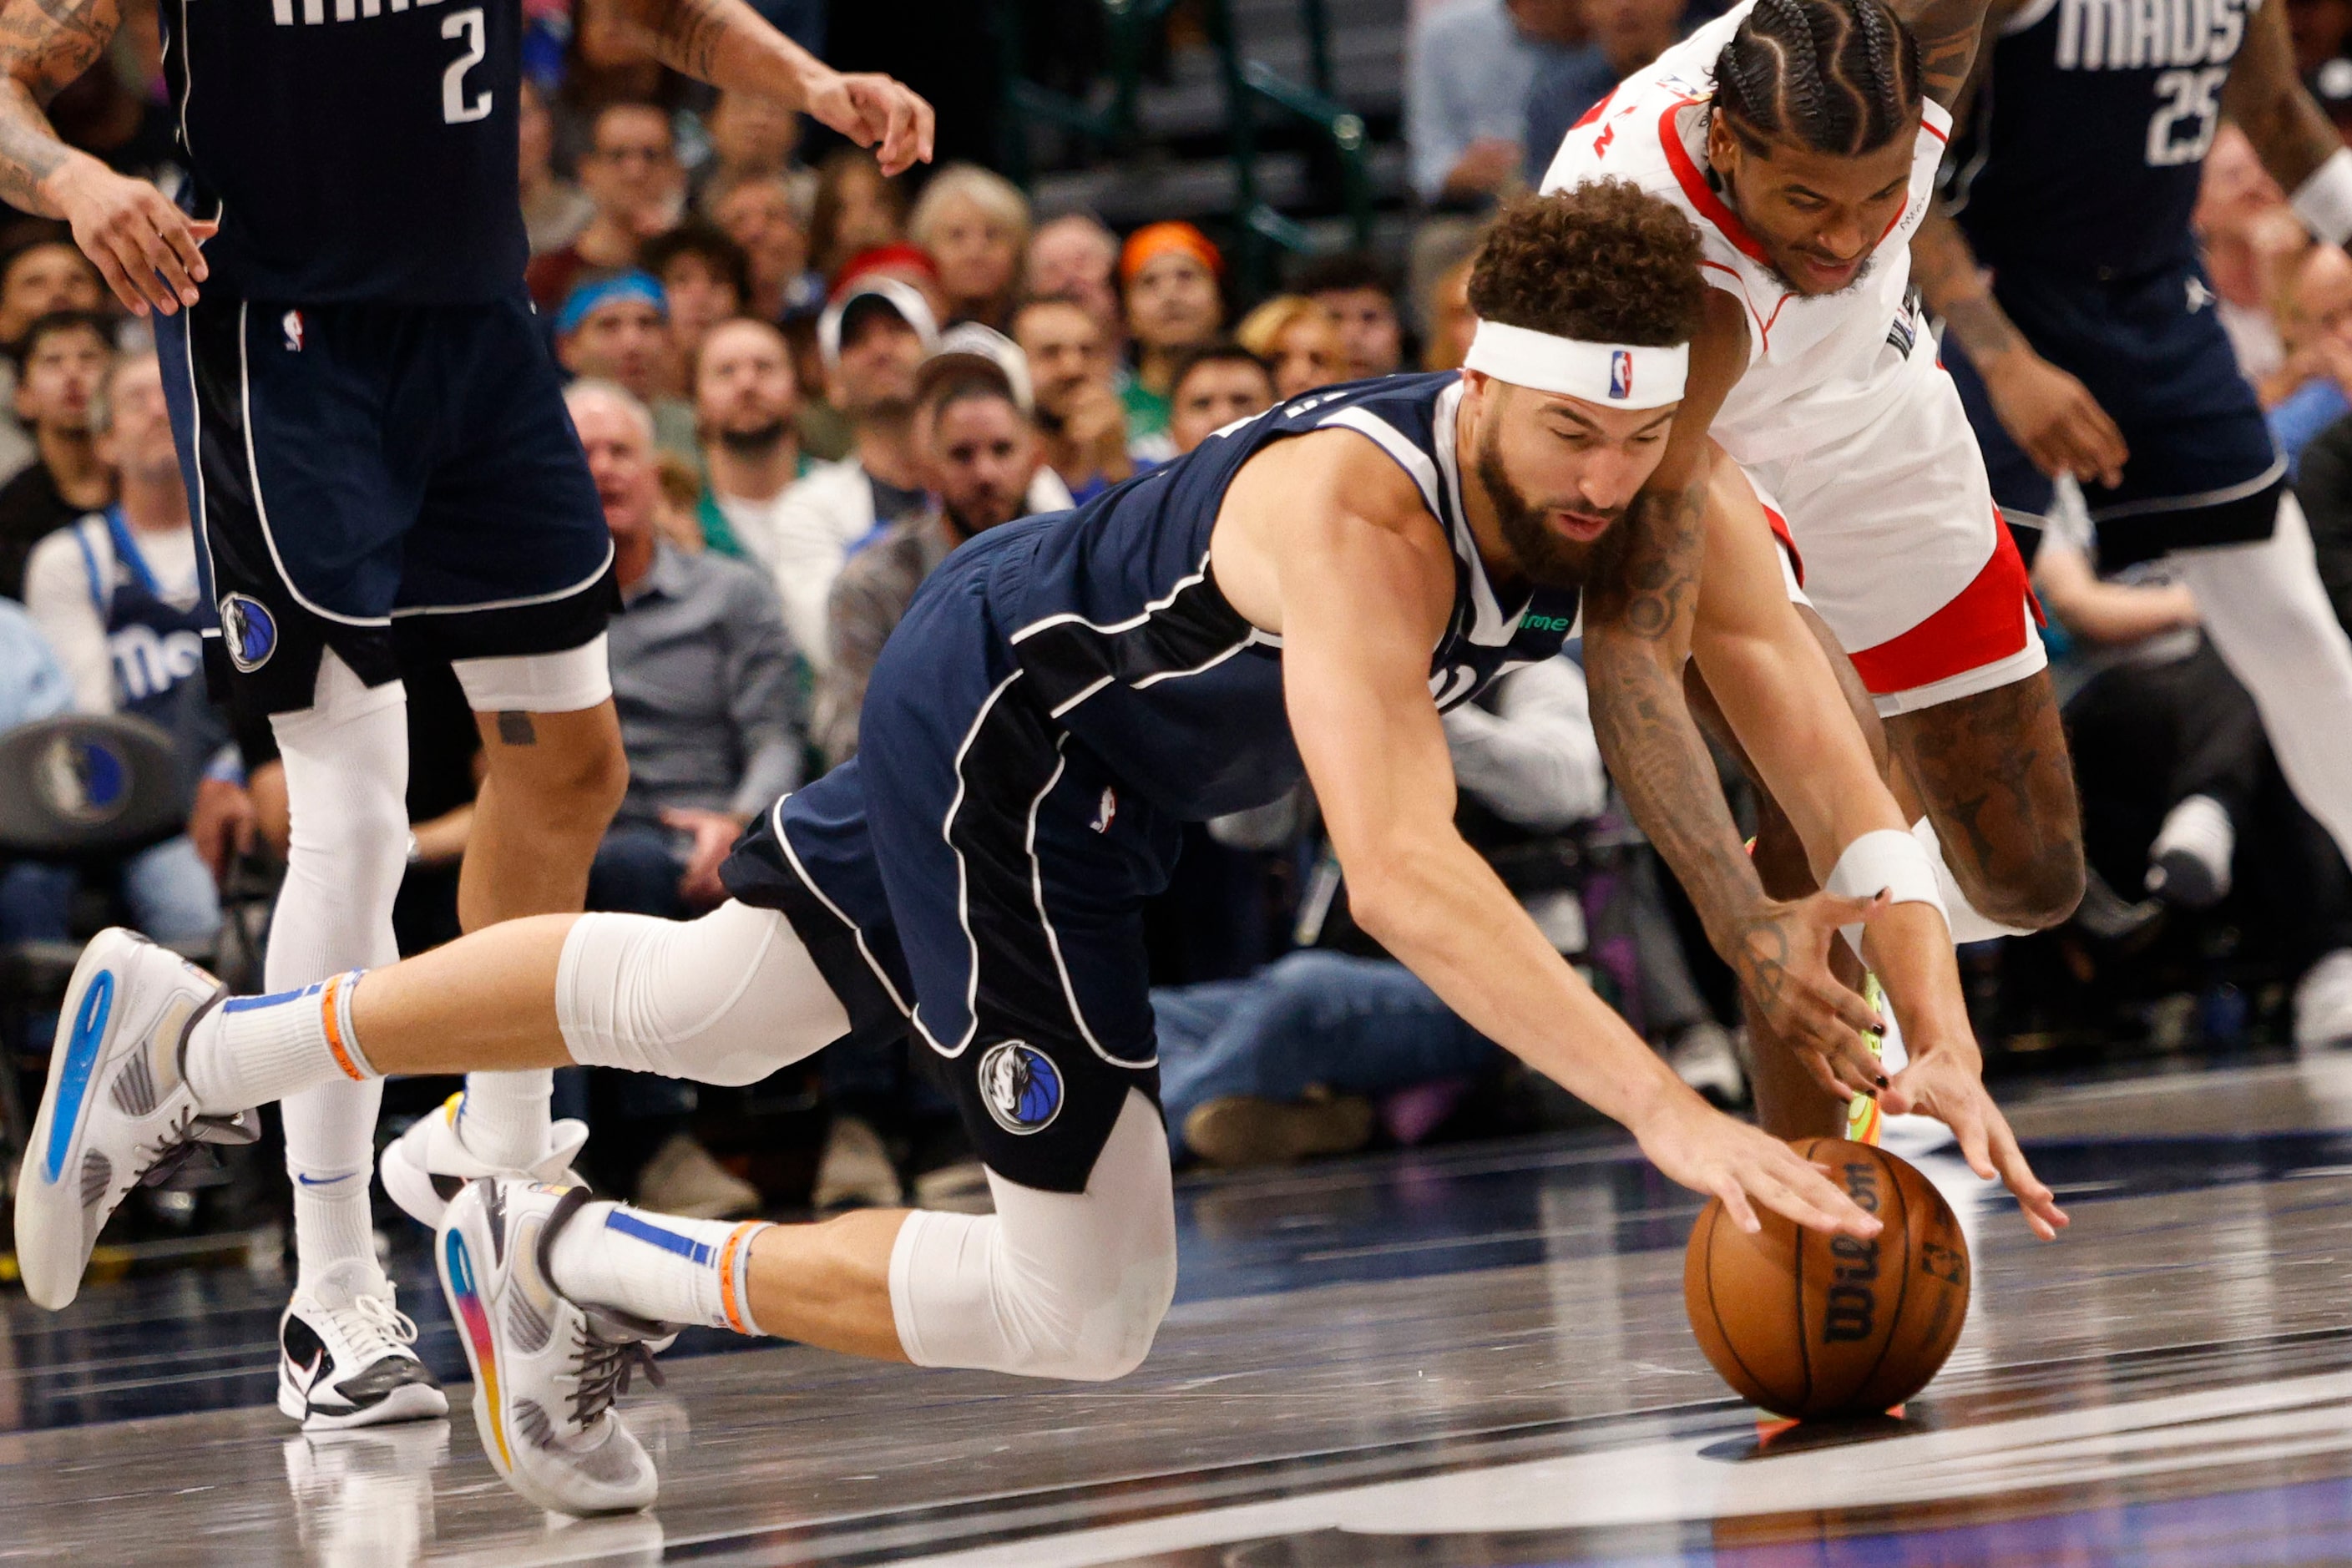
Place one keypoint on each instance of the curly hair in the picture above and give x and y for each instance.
(1605, 262)
(1839, 76)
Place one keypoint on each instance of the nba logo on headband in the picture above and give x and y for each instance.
(1620, 374)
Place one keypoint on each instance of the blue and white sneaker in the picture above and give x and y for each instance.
(546, 1368)
(117, 1112)
(427, 1165)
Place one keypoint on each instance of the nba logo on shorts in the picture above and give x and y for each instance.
(1022, 1087)
(293, 325)
(248, 630)
(1621, 373)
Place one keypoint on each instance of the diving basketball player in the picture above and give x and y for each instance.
(1802, 137)
(1304, 592)
(2097, 350)
(380, 461)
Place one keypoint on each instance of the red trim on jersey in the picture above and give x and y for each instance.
(1763, 322)
(1788, 542)
(1983, 625)
(1596, 111)
(1702, 195)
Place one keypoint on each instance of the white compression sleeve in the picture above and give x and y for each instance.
(728, 998)
(346, 760)
(1052, 1284)
(2269, 617)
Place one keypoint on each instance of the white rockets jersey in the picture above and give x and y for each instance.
(1817, 367)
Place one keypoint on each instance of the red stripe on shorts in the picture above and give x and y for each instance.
(1983, 625)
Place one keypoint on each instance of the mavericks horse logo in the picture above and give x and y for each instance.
(1022, 1087)
(248, 630)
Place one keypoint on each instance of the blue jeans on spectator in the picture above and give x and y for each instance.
(167, 894)
(1361, 1025)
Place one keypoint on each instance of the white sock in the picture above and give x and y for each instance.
(2268, 614)
(250, 1051)
(503, 1118)
(1968, 925)
(658, 1266)
(334, 1223)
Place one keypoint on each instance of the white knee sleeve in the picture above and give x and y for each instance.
(729, 998)
(567, 682)
(1054, 1284)
(2270, 619)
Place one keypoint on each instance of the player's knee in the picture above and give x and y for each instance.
(583, 788)
(2031, 894)
(1102, 1328)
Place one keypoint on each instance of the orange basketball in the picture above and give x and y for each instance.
(1811, 1325)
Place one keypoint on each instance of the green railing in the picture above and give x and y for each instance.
(1255, 95)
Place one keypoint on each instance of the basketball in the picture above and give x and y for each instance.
(1810, 1325)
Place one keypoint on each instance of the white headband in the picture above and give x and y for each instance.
(1604, 373)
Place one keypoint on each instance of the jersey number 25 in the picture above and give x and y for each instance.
(2188, 112)
(456, 107)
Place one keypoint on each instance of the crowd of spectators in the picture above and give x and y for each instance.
(801, 386)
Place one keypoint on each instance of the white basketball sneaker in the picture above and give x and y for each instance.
(117, 1111)
(546, 1368)
(345, 1359)
(423, 1167)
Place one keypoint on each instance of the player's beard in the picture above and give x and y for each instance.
(1861, 276)
(1543, 557)
(756, 442)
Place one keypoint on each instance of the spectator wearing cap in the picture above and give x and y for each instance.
(1079, 416)
(975, 225)
(745, 400)
(705, 280)
(854, 210)
(36, 279)
(554, 210)
(618, 329)
(982, 461)
(1468, 67)
(632, 173)
(1168, 275)
(66, 355)
(1215, 386)
(758, 213)
(1298, 341)
(873, 338)
(1354, 288)
(1075, 257)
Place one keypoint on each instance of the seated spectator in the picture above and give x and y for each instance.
(1215, 386)
(874, 336)
(2181, 795)
(117, 596)
(757, 213)
(751, 137)
(975, 225)
(1169, 275)
(1356, 291)
(1468, 67)
(1075, 257)
(618, 329)
(2323, 484)
(631, 173)
(1623, 37)
(1080, 418)
(1452, 322)
(981, 457)
(2314, 321)
(704, 280)
(854, 210)
(2247, 234)
(704, 686)
(1298, 341)
(33, 687)
(554, 209)
(66, 356)
(745, 396)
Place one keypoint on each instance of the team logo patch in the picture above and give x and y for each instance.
(292, 323)
(84, 780)
(1022, 1087)
(1621, 373)
(1105, 811)
(249, 630)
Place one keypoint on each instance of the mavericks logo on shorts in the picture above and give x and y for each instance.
(248, 630)
(1021, 1085)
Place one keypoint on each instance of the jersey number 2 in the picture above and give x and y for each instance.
(2188, 112)
(457, 108)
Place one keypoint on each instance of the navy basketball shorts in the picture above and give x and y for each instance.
(976, 875)
(2203, 469)
(391, 481)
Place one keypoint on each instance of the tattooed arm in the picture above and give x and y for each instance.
(728, 45)
(1949, 32)
(1638, 611)
(2049, 413)
(145, 247)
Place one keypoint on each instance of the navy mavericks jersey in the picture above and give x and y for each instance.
(2086, 145)
(352, 149)
(1114, 613)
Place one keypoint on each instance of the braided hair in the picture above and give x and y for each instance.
(1838, 75)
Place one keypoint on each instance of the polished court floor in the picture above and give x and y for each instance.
(1470, 1356)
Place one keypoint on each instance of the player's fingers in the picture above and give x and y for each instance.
(184, 244)
(2034, 1196)
(1735, 1204)
(925, 125)
(1794, 1188)
(898, 141)
(171, 274)
(117, 278)
(1818, 1068)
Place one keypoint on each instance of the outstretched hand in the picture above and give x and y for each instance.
(145, 247)
(1783, 960)
(1946, 1085)
(1710, 1153)
(2052, 417)
(874, 110)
